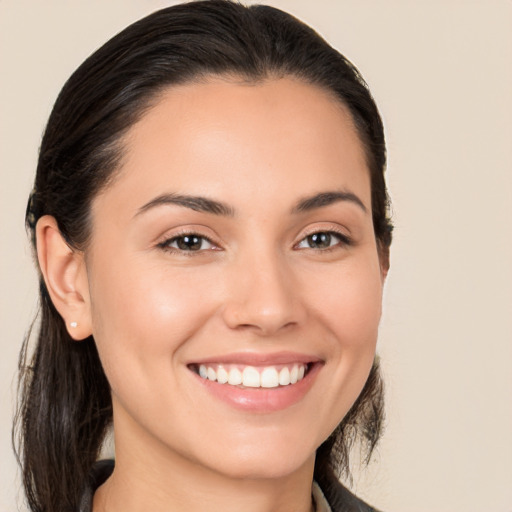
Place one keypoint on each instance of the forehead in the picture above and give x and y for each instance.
(219, 136)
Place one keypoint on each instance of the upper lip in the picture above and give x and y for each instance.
(258, 359)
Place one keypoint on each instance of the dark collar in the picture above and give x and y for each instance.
(338, 496)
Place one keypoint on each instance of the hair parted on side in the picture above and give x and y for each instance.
(65, 406)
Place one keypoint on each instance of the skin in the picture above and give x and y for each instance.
(257, 287)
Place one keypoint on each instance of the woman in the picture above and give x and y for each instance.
(210, 220)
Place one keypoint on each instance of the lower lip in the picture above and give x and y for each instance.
(262, 400)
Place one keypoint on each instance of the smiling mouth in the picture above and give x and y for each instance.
(246, 376)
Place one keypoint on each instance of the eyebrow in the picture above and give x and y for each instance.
(204, 204)
(197, 203)
(326, 199)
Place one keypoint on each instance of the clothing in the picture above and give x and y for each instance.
(319, 499)
(329, 495)
(339, 498)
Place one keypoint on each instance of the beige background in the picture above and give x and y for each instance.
(441, 72)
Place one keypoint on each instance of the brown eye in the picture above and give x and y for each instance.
(187, 243)
(323, 240)
(319, 240)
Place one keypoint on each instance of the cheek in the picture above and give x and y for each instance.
(359, 312)
(349, 303)
(141, 317)
(349, 308)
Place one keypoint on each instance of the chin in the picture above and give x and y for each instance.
(265, 468)
(264, 460)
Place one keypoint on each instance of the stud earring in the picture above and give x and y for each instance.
(73, 324)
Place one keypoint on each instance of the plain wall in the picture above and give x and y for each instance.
(441, 72)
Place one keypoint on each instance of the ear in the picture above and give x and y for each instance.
(65, 275)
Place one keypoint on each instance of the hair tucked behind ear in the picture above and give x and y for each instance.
(65, 404)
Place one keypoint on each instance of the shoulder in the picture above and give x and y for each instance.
(339, 497)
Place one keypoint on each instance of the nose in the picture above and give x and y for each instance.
(262, 295)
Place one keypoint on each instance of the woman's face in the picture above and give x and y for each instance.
(236, 243)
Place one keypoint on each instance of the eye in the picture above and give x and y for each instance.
(323, 240)
(189, 242)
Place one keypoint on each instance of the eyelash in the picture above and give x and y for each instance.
(343, 241)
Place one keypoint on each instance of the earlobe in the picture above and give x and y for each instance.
(65, 276)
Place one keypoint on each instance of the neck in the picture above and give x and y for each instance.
(162, 481)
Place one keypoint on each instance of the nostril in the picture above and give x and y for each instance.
(263, 328)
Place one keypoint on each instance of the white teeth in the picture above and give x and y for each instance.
(252, 377)
(269, 378)
(294, 374)
(222, 375)
(235, 377)
(284, 377)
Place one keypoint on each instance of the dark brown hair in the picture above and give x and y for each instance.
(65, 405)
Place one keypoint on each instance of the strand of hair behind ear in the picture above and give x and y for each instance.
(63, 413)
